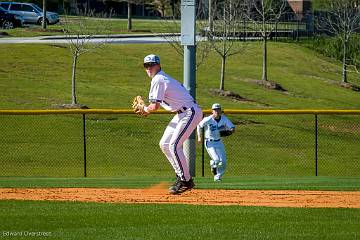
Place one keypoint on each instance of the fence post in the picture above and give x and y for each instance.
(316, 145)
(84, 143)
(202, 153)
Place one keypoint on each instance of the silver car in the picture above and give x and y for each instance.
(10, 20)
(31, 13)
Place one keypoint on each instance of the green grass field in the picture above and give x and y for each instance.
(76, 220)
(61, 220)
(267, 152)
(230, 182)
(108, 77)
(51, 146)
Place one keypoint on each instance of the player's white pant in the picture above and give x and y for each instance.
(216, 151)
(171, 143)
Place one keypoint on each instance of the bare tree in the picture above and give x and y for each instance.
(210, 15)
(173, 26)
(225, 20)
(225, 17)
(263, 14)
(129, 12)
(129, 16)
(342, 19)
(166, 8)
(80, 31)
(174, 4)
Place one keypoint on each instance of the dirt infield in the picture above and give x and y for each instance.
(158, 194)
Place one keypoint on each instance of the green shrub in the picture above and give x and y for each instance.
(333, 47)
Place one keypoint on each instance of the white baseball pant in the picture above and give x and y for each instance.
(216, 151)
(178, 130)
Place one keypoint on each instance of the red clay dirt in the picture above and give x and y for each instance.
(158, 194)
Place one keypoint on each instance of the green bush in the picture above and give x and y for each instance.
(333, 47)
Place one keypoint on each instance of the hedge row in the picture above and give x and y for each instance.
(333, 47)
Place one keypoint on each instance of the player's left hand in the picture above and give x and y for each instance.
(138, 106)
(225, 133)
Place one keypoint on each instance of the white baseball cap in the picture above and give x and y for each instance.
(152, 59)
(216, 106)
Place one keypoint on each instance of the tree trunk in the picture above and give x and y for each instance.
(344, 71)
(129, 26)
(172, 3)
(73, 7)
(75, 58)
(44, 15)
(222, 79)
(210, 16)
(264, 73)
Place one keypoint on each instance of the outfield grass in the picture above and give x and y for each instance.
(64, 220)
(38, 77)
(51, 146)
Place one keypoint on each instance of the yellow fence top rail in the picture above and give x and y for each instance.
(207, 111)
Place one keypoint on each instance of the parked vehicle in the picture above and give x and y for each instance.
(31, 13)
(10, 20)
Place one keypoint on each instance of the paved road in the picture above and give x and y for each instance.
(114, 39)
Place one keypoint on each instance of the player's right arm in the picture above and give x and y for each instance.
(156, 94)
(198, 129)
(200, 126)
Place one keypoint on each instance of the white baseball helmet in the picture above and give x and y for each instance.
(152, 59)
(216, 106)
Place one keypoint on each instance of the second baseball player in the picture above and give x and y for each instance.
(213, 125)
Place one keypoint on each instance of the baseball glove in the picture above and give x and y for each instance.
(225, 133)
(138, 105)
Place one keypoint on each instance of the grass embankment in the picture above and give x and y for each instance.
(124, 147)
(37, 76)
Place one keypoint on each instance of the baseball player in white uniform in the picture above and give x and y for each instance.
(213, 124)
(173, 96)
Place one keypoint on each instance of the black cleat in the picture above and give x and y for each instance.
(214, 171)
(176, 187)
(188, 185)
(178, 179)
(181, 186)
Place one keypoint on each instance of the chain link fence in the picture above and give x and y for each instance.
(89, 143)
